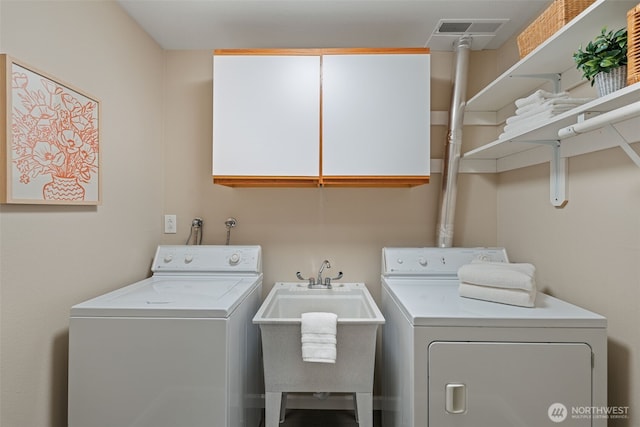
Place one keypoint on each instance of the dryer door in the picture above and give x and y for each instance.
(505, 384)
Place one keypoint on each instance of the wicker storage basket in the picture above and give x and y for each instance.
(633, 45)
(551, 20)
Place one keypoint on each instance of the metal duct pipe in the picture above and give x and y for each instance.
(454, 143)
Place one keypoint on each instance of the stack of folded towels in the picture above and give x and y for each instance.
(506, 283)
(538, 108)
(319, 337)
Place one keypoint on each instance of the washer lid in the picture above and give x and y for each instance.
(437, 303)
(160, 296)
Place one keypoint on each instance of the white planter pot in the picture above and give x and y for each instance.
(610, 82)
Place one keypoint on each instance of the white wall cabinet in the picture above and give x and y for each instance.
(351, 117)
(266, 111)
(376, 116)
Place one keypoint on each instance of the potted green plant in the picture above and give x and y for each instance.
(604, 61)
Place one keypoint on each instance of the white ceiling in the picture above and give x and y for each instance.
(218, 24)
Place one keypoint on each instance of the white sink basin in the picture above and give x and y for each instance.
(286, 302)
(279, 318)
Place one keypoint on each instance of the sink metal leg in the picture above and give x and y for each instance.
(283, 407)
(355, 408)
(274, 405)
(364, 409)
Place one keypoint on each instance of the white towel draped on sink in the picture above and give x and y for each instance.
(319, 331)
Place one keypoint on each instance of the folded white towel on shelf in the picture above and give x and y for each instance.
(516, 297)
(538, 96)
(554, 102)
(319, 337)
(520, 126)
(539, 111)
(499, 275)
(539, 115)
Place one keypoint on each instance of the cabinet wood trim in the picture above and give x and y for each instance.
(374, 181)
(269, 52)
(325, 181)
(266, 181)
(376, 51)
(326, 51)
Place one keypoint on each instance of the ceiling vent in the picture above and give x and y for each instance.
(448, 31)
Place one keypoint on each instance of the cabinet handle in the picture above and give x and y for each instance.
(455, 398)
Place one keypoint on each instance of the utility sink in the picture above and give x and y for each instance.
(286, 302)
(279, 318)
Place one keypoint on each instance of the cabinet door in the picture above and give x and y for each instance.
(376, 115)
(503, 384)
(266, 116)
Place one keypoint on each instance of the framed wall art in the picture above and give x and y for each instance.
(51, 131)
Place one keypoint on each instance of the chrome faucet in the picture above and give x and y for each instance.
(319, 281)
(325, 263)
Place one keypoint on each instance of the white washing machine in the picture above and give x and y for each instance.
(453, 361)
(177, 349)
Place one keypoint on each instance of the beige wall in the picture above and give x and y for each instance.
(53, 257)
(298, 228)
(588, 252)
(156, 147)
(156, 141)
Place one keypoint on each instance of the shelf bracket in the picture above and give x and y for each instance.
(558, 168)
(554, 78)
(623, 143)
(606, 121)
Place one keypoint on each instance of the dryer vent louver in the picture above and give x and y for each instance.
(447, 31)
(468, 27)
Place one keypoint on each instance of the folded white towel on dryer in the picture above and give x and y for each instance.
(499, 275)
(517, 297)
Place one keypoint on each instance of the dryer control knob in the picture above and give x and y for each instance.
(400, 261)
(188, 259)
(422, 261)
(234, 259)
(168, 258)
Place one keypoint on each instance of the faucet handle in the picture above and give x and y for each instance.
(311, 280)
(327, 280)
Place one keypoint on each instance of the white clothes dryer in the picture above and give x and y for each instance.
(175, 349)
(453, 361)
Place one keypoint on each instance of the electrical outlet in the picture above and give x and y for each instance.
(170, 226)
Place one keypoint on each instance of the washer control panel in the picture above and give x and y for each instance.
(435, 261)
(207, 259)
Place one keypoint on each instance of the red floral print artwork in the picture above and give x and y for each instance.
(55, 134)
